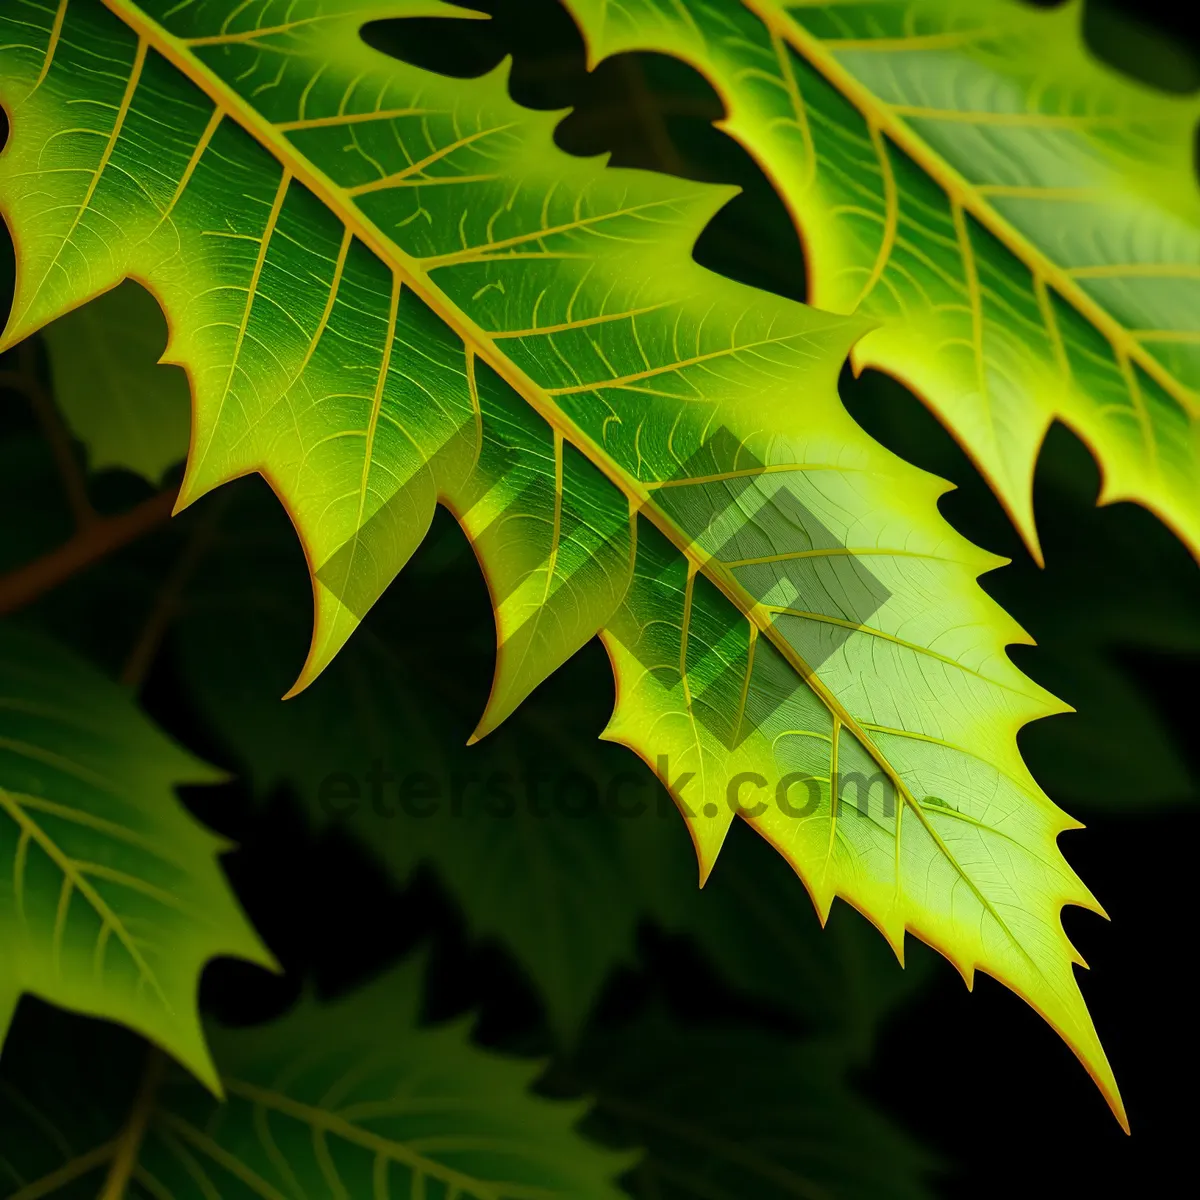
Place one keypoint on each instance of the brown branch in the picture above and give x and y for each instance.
(649, 112)
(167, 602)
(94, 541)
(74, 482)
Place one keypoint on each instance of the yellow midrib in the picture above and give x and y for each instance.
(968, 196)
(334, 197)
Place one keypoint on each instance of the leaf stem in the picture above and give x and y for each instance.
(130, 1141)
(167, 602)
(98, 538)
(648, 109)
(25, 380)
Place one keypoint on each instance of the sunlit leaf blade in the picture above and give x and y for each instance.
(351, 1098)
(111, 900)
(126, 410)
(1023, 222)
(927, 835)
(454, 310)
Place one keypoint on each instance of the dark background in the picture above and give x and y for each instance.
(977, 1078)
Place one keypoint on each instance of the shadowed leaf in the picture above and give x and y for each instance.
(111, 901)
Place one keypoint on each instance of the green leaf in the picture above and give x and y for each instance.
(111, 901)
(737, 1112)
(103, 360)
(349, 1099)
(1022, 222)
(454, 310)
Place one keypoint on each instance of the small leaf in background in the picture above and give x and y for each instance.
(127, 409)
(350, 1098)
(739, 1113)
(111, 900)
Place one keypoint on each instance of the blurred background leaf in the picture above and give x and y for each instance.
(114, 900)
(725, 1113)
(347, 1098)
(127, 410)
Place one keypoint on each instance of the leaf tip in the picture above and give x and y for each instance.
(197, 1059)
(502, 702)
